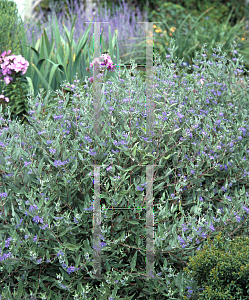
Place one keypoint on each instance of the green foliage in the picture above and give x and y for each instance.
(10, 33)
(188, 30)
(47, 187)
(195, 35)
(196, 7)
(43, 7)
(17, 92)
(8, 30)
(63, 193)
(222, 269)
(67, 56)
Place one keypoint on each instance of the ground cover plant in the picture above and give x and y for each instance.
(200, 184)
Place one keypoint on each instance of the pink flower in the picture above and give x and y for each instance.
(95, 61)
(5, 98)
(104, 60)
(12, 65)
(8, 80)
(4, 54)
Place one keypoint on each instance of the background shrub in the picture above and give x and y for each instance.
(222, 268)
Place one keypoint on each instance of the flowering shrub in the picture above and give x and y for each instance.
(49, 171)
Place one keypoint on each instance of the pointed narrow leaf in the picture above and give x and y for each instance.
(71, 246)
(134, 261)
